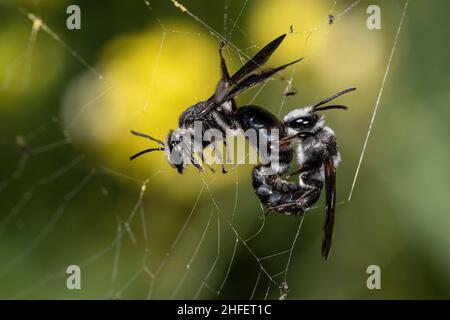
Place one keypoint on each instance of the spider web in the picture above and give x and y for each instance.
(171, 275)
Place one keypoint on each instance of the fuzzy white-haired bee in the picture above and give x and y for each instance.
(317, 157)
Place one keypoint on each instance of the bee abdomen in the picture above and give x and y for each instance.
(272, 190)
(258, 119)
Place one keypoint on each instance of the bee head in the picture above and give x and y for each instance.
(305, 121)
(302, 121)
(178, 149)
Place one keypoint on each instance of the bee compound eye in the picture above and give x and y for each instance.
(300, 123)
(303, 122)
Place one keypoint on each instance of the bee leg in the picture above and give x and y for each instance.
(220, 156)
(303, 203)
(202, 156)
(224, 170)
(197, 165)
(209, 167)
(293, 173)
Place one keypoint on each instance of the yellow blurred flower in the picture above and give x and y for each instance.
(150, 78)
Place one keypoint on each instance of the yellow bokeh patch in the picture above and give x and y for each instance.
(150, 78)
(336, 56)
(270, 18)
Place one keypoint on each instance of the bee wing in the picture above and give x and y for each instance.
(330, 197)
(253, 79)
(258, 59)
(245, 77)
(248, 82)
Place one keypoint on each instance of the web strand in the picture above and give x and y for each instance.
(377, 103)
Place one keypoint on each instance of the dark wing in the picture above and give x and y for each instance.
(245, 77)
(330, 197)
(253, 79)
(258, 59)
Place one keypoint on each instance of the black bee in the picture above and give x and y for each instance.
(317, 156)
(218, 112)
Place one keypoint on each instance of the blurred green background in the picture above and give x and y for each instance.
(69, 195)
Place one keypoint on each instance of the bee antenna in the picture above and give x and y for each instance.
(143, 135)
(334, 96)
(335, 106)
(145, 151)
